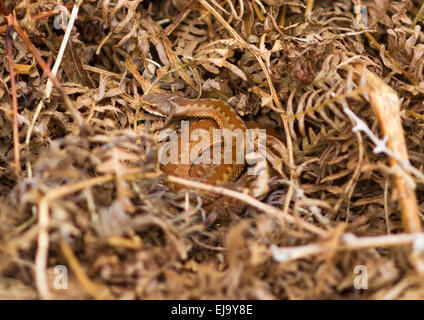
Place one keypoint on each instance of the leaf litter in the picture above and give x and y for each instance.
(334, 203)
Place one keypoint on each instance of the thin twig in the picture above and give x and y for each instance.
(16, 146)
(272, 211)
(349, 242)
(62, 49)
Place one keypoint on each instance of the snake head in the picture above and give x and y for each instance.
(160, 104)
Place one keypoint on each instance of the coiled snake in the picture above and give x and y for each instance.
(214, 114)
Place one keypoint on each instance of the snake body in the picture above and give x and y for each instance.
(214, 114)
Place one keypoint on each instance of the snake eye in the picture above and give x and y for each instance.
(159, 104)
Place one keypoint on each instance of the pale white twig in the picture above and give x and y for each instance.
(380, 145)
(350, 242)
(62, 49)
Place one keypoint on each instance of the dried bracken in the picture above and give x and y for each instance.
(342, 84)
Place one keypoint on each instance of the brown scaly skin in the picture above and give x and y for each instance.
(214, 114)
